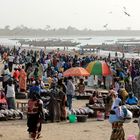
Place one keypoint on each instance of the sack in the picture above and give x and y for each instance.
(128, 117)
(127, 113)
(120, 114)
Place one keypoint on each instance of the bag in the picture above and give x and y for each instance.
(128, 116)
(120, 114)
(114, 118)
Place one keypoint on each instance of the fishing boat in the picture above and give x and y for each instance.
(52, 43)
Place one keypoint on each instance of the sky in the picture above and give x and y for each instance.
(90, 14)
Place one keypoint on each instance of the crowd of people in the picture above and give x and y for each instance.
(36, 71)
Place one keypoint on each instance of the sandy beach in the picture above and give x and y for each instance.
(92, 129)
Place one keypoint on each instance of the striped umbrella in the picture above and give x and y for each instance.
(98, 68)
(76, 71)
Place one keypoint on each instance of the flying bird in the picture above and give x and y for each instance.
(124, 8)
(105, 26)
(126, 13)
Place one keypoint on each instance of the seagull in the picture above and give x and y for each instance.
(126, 13)
(105, 26)
(124, 8)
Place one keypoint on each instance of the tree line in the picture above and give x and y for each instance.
(69, 31)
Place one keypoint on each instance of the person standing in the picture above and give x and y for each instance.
(6, 75)
(22, 80)
(117, 117)
(70, 92)
(16, 74)
(10, 95)
(10, 62)
(109, 99)
(116, 85)
(62, 97)
(35, 115)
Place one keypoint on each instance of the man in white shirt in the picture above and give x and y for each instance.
(10, 63)
(10, 95)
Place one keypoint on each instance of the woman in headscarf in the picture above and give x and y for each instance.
(117, 121)
(109, 99)
(34, 74)
(40, 69)
(22, 80)
(62, 97)
(35, 115)
(54, 104)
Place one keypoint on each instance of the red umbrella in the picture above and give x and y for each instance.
(76, 71)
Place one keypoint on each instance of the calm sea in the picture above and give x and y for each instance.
(82, 40)
(8, 41)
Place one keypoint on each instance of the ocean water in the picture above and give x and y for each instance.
(82, 40)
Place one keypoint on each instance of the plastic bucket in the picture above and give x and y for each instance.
(100, 116)
(72, 118)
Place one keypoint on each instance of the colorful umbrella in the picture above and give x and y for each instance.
(76, 71)
(98, 68)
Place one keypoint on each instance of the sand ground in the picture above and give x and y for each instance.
(90, 130)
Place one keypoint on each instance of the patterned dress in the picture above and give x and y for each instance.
(34, 118)
(117, 131)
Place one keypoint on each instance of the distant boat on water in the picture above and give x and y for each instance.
(127, 40)
(48, 43)
(109, 40)
(88, 38)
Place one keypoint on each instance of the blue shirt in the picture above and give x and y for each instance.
(132, 101)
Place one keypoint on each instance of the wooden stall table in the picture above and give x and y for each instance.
(22, 105)
(135, 109)
(87, 93)
(103, 92)
(89, 90)
(82, 97)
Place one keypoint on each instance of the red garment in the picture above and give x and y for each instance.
(2, 98)
(3, 101)
(54, 62)
(22, 80)
(33, 106)
(16, 75)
